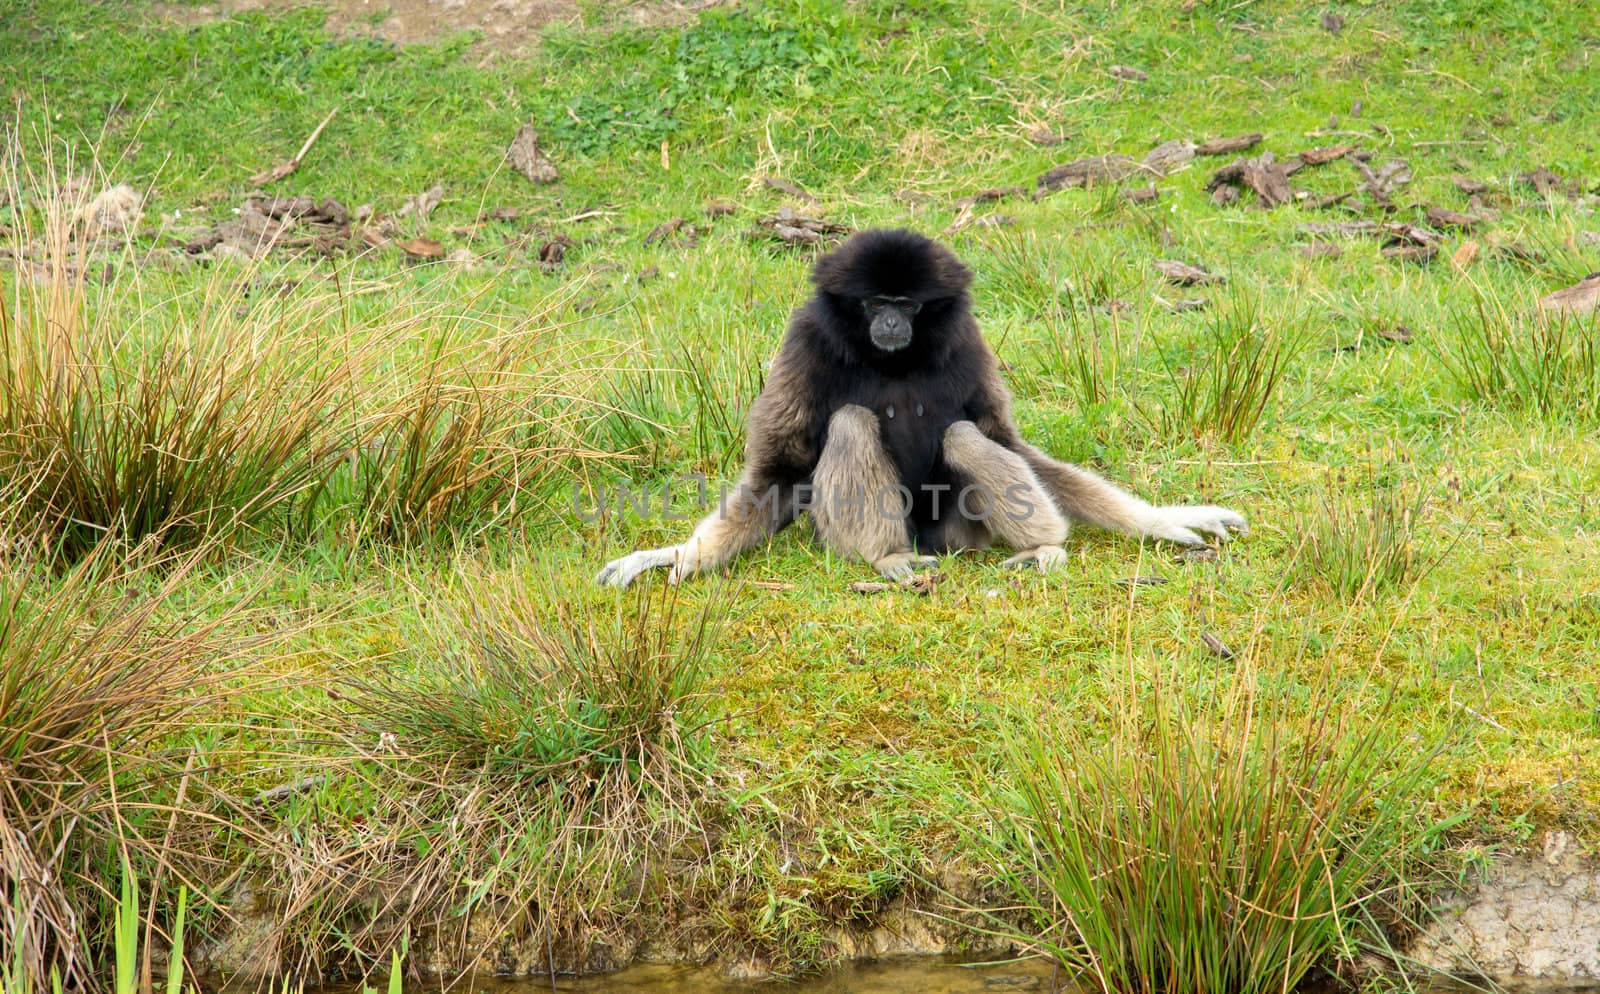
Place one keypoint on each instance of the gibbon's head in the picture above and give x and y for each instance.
(892, 284)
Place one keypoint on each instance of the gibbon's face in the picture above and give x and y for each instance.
(890, 320)
(887, 286)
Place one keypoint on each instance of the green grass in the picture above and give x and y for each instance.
(849, 739)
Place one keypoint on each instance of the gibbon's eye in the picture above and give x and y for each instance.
(908, 306)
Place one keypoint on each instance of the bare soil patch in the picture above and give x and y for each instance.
(509, 27)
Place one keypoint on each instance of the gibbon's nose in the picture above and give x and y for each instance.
(891, 330)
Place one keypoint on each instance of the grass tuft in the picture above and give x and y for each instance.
(1231, 379)
(93, 679)
(186, 418)
(1365, 539)
(520, 685)
(528, 772)
(1543, 363)
(178, 419)
(1230, 849)
(463, 439)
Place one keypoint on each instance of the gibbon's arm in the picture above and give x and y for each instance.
(778, 455)
(1086, 497)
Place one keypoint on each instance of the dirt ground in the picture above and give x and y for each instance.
(509, 26)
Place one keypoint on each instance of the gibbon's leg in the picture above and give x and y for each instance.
(858, 504)
(1085, 497)
(751, 514)
(1005, 496)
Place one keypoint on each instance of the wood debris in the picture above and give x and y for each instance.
(1323, 203)
(1184, 274)
(1581, 298)
(1441, 217)
(1384, 180)
(784, 186)
(793, 229)
(553, 252)
(421, 248)
(422, 204)
(921, 584)
(1228, 146)
(1399, 333)
(1325, 154)
(1086, 172)
(1265, 175)
(1408, 252)
(1410, 234)
(527, 158)
(1169, 155)
(676, 230)
(1518, 252)
(1542, 180)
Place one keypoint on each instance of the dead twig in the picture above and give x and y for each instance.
(285, 168)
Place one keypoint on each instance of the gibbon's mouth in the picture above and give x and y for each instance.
(892, 339)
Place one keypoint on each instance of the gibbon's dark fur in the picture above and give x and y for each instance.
(835, 405)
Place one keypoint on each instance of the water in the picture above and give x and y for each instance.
(919, 975)
(913, 975)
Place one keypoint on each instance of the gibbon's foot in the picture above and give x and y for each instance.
(1048, 558)
(899, 565)
(1188, 525)
(621, 572)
